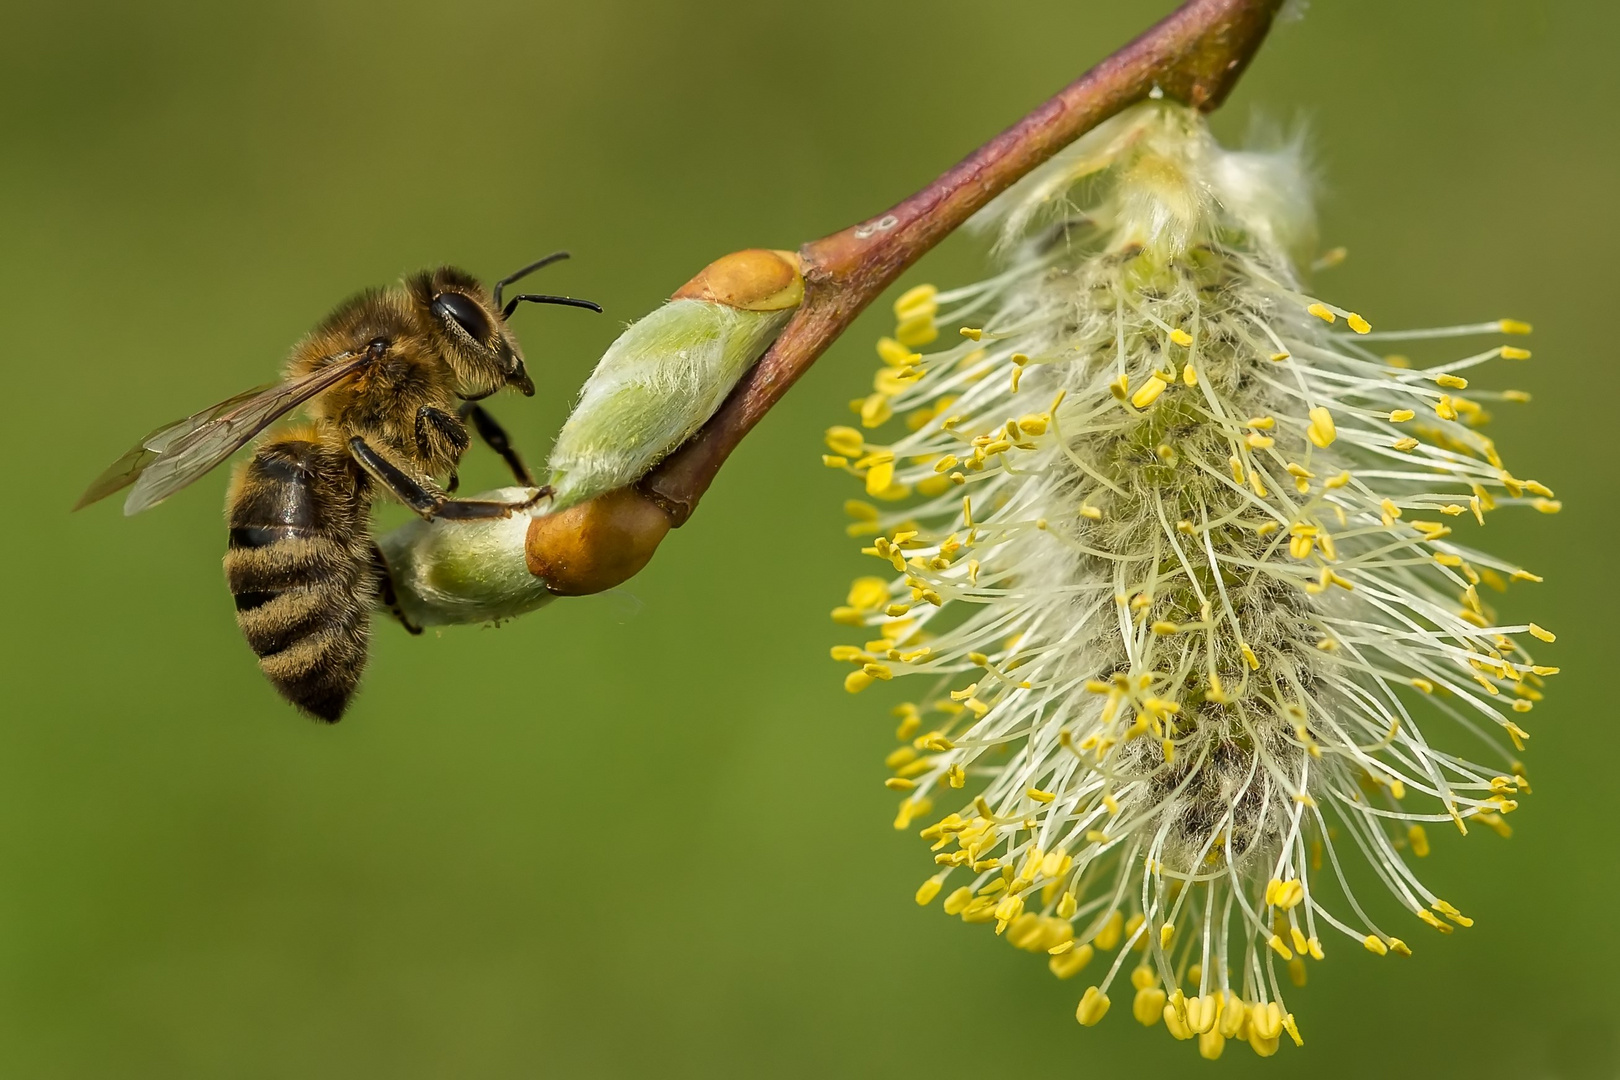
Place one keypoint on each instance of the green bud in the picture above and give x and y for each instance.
(464, 571)
(653, 389)
(668, 373)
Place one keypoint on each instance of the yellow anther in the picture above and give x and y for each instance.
(927, 891)
(1109, 935)
(875, 410)
(1513, 326)
(1203, 1012)
(1248, 655)
(868, 593)
(1287, 894)
(1093, 1006)
(1070, 962)
(846, 441)
(1405, 445)
(1278, 947)
(1321, 431)
(1233, 1013)
(1040, 796)
(1149, 392)
(915, 299)
(1401, 416)
(1259, 441)
(1266, 1021)
(1148, 1007)
(1375, 945)
(1120, 387)
(1357, 323)
(1167, 933)
(917, 327)
(1165, 629)
(1009, 909)
(1418, 839)
(1434, 921)
(972, 333)
(1033, 423)
(894, 354)
(1452, 382)
(1181, 337)
(1542, 632)
(1302, 944)
(1189, 376)
(1399, 947)
(1210, 1045)
(1321, 312)
(1175, 1020)
(1510, 352)
(1278, 357)
(856, 681)
(880, 478)
(905, 755)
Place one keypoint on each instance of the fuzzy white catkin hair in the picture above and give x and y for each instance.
(1173, 565)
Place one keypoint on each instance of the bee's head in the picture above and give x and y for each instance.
(470, 326)
(468, 331)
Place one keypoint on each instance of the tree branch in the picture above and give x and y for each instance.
(1195, 55)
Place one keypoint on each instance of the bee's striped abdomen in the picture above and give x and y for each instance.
(300, 568)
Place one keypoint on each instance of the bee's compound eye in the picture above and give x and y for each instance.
(467, 314)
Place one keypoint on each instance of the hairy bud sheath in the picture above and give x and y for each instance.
(669, 372)
(655, 386)
(1173, 548)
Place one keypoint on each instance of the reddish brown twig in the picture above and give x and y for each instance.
(1195, 55)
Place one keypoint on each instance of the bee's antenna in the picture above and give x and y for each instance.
(542, 298)
(555, 256)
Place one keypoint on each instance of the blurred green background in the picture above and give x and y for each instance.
(645, 835)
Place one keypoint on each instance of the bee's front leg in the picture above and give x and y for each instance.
(490, 430)
(435, 424)
(430, 504)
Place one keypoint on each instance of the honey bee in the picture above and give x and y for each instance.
(390, 381)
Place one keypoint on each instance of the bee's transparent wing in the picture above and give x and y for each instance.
(123, 472)
(173, 456)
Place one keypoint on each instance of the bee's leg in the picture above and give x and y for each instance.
(431, 421)
(496, 438)
(430, 504)
(385, 591)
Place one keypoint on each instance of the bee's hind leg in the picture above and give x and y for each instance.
(495, 437)
(430, 504)
(385, 591)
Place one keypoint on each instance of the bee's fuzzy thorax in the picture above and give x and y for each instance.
(1172, 546)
